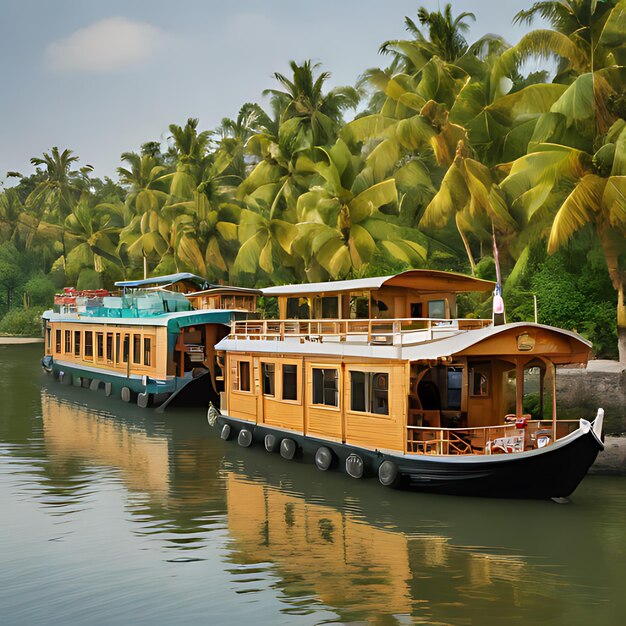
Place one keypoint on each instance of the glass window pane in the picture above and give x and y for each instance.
(290, 382)
(437, 309)
(244, 376)
(358, 395)
(136, 348)
(146, 351)
(268, 378)
(455, 380)
(380, 394)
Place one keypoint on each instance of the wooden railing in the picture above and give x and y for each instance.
(486, 439)
(381, 331)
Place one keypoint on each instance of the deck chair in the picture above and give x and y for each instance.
(513, 443)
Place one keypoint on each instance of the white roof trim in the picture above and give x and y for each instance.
(428, 350)
(337, 285)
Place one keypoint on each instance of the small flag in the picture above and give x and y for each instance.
(498, 302)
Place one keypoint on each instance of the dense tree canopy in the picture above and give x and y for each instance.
(420, 165)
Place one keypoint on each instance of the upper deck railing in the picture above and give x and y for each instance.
(374, 331)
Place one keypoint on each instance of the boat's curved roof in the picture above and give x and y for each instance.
(433, 281)
(167, 279)
(465, 341)
(561, 346)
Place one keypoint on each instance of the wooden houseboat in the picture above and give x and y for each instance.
(379, 376)
(147, 342)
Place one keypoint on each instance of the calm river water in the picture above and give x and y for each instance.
(114, 515)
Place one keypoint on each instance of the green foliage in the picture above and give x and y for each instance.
(39, 291)
(22, 322)
(88, 279)
(456, 143)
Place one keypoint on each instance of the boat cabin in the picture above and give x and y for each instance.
(416, 294)
(412, 385)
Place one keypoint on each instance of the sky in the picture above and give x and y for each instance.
(101, 77)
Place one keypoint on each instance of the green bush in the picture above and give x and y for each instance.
(39, 291)
(23, 322)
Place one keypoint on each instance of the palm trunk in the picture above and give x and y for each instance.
(467, 247)
(618, 278)
(621, 322)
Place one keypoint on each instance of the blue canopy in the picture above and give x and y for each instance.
(202, 283)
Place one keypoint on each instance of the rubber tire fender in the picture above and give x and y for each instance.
(244, 438)
(270, 443)
(355, 466)
(388, 473)
(288, 449)
(225, 434)
(323, 458)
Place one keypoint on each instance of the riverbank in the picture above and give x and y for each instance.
(612, 460)
(581, 391)
(11, 341)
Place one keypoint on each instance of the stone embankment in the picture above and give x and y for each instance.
(602, 384)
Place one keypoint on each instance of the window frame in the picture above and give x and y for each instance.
(235, 383)
(370, 373)
(263, 365)
(482, 369)
(438, 301)
(322, 367)
(298, 374)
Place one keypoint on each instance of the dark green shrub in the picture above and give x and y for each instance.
(23, 322)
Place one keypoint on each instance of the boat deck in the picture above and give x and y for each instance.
(406, 331)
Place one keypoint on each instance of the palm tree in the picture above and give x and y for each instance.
(310, 117)
(444, 38)
(561, 190)
(345, 217)
(147, 233)
(59, 192)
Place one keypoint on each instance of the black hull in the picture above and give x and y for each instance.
(552, 472)
(197, 392)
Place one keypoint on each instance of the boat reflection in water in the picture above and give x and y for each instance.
(329, 549)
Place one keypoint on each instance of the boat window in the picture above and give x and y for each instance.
(455, 383)
(89, 345)
(77, 343)
(298, 308)
(68, 342)
(109, 347)
(126, 349)
(146, 351)
(479, 380)
(58, 341)
(326, 386)
(136, 348)
(244, 375)
(532, 391)
(290, 382)
(416, 309)
(437, 309)
(509, 391)
(100, 345)
(268, 370)
(359, 307)
(330, 307)
(369, 392)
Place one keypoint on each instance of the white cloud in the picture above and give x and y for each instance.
(108, 45)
